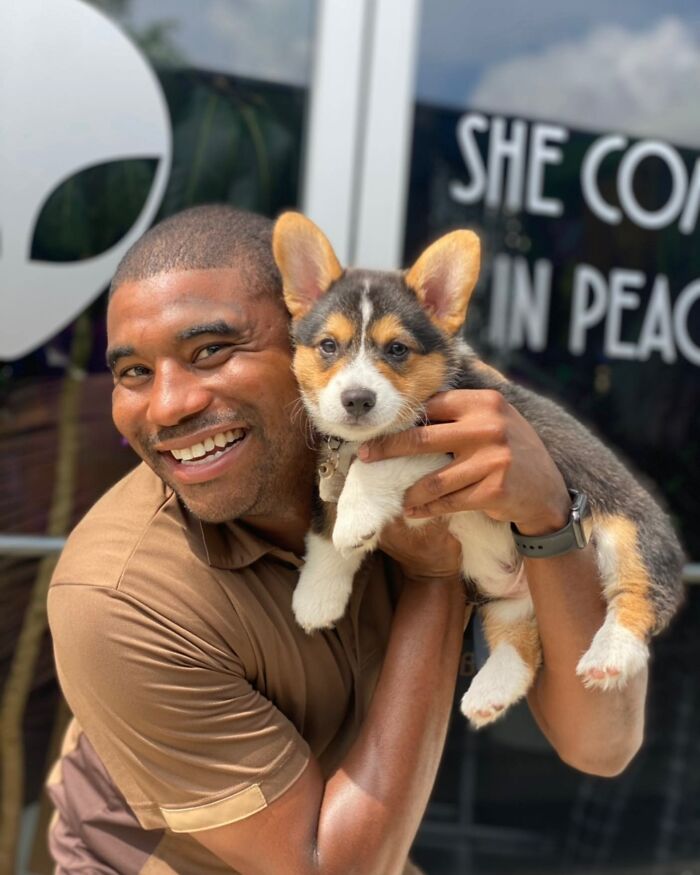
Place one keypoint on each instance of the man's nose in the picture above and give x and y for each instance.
(176, 395)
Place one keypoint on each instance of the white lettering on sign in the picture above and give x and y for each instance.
(515, 178)
(519, 314)
(473, 191)
(664, 325)
(512, 176)
(543, 153)
(590, 296)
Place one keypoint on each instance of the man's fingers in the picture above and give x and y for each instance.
(423, 439)
(450, 427)
(451, 405)
(452, 503)
(485, 491)
(452, 478)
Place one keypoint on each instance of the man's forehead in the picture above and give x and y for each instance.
(169, 298)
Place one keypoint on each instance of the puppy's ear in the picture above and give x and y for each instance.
(444, 277)
(306, 261)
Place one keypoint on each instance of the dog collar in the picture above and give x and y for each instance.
(335, 458)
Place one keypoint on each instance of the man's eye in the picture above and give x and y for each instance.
(328, 346)
(397, 350)
(208, 351)
(134, 371)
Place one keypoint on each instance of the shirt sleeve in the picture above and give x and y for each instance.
(189, 742)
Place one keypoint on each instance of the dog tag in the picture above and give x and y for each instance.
(330, 486)
(336, 457)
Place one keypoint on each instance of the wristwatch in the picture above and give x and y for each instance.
(571, 537)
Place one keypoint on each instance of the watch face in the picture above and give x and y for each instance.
(578, 511)
(579, 504)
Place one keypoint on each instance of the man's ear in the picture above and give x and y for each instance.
(306, 261)
(444, 277)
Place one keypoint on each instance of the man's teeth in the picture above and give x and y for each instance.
(197, 451)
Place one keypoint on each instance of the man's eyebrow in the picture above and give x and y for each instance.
(220, 328)
(117, 352)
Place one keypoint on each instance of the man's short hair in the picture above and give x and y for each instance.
(205, 238)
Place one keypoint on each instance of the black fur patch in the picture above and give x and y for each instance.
(389, 295)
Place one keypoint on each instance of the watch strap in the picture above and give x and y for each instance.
(571, 537)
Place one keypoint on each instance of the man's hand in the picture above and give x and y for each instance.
(500, 465)
(427, 551)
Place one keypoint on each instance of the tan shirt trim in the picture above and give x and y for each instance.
(220, 813)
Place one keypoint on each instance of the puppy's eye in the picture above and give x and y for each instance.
(328, 346)
(397, 350)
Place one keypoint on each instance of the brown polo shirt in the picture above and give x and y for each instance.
(196, 696)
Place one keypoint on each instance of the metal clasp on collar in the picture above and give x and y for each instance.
(329, 466)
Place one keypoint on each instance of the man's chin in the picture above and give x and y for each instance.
(210, 501)
(212, 508)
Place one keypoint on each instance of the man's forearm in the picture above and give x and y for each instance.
(592, 730)
(373, 804)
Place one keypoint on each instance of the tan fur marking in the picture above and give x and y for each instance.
(306, 261)
(421, 376)
(341, 328)
(522, 635)
(633, 607)
(444, 277)
(310, 374)
(386, 329)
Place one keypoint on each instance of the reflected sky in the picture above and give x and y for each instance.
(270, 40)
(632, 66)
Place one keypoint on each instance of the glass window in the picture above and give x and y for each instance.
(568, 135)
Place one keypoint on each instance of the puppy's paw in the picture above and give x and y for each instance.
(357, 532)
(615, 655)
(503, 680)
(318, 603)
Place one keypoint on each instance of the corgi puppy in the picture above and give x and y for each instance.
(370, 348)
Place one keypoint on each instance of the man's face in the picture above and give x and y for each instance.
(204, 392)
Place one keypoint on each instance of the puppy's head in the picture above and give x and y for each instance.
(370, 346)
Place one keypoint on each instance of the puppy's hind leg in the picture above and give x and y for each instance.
(325, 584)
(619, 648)
(515, 655)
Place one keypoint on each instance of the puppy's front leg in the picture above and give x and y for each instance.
(373, 496)
(325, 584)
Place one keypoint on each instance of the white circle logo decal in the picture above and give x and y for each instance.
(75, 93)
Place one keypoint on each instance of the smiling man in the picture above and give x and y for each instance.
(211, 734)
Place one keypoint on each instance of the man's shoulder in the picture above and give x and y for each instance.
(139, 520)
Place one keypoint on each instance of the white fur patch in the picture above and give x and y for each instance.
(489, 556)
(324, 586)
(366, 310)
(373, 496)
(615, 655)
(503, 680)
(360, 373)
(511, 610)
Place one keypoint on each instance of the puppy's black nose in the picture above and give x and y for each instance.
(358, 401)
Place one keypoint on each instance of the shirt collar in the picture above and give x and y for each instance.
(232, 545)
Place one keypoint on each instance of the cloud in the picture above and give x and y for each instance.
(262, 39)
(641, 83)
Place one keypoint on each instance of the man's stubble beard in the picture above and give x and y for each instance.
(280, 480)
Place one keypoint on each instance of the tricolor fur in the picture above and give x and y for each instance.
(370, 349)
